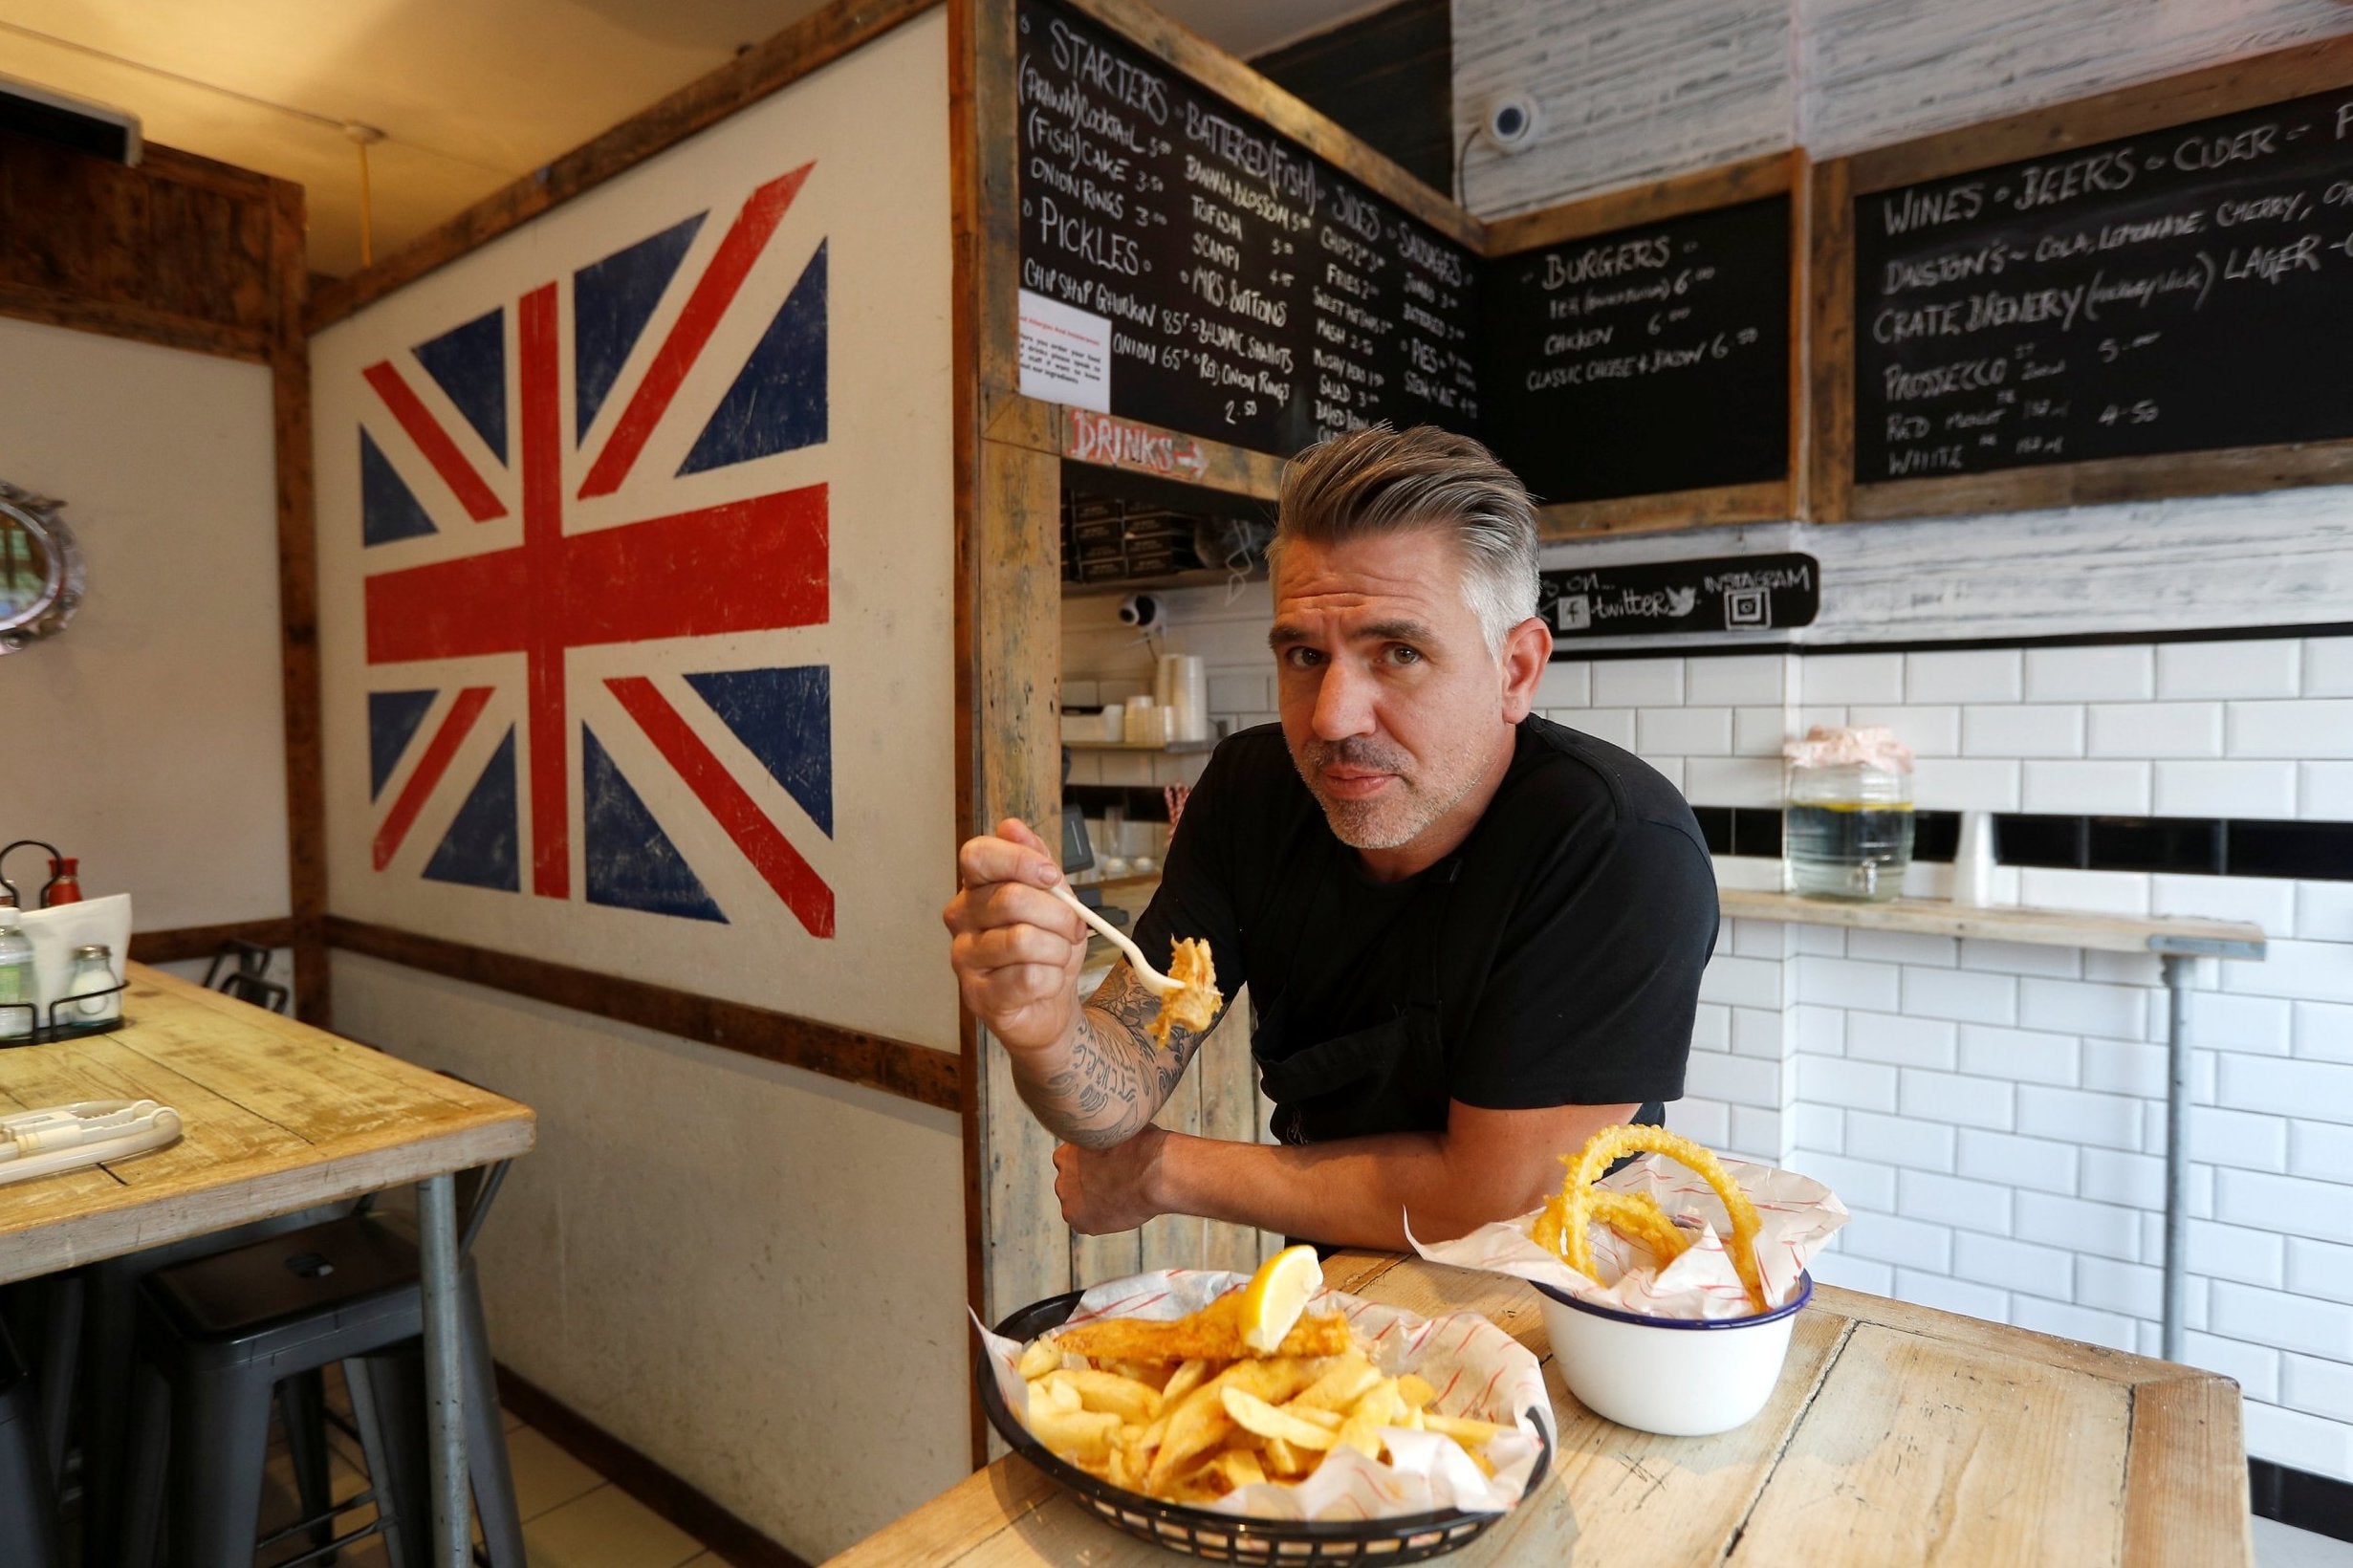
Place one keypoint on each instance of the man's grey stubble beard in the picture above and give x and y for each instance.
(1357, 823)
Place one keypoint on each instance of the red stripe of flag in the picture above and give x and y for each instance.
(743, 566)
(430, 768)
(778, 862)
(467, 484)
(713, 291)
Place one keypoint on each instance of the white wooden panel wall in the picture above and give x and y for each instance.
(1879, 70)
(2278, 559)
(1633, 89)
(1628, 88)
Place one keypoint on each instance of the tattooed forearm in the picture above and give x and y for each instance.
(1118, 1077)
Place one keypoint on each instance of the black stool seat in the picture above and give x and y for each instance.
(289, 1288)
(219, 1333)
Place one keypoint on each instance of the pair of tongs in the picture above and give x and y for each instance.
(57, 1138)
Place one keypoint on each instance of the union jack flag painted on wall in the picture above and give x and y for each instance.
(679, 573)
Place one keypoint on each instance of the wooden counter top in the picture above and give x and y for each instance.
(1898, 1434)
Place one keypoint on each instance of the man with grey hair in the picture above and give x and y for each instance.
(1471, 936)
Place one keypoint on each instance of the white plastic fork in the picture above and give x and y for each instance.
(1155, 982)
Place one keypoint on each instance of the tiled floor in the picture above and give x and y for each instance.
(572, 1517)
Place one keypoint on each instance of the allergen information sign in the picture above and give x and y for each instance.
(1718, 594)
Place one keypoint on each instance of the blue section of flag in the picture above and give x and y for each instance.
(469, 362)
(483, 846)
(388, 508)
(611, 302)
(785, 718)
(777, 402)
(632, 864)
(393, 717)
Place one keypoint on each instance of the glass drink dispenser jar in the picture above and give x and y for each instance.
(1846, 831)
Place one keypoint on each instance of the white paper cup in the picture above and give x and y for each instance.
(1679, 1377)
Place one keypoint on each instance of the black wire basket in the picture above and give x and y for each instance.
(1230, 1538)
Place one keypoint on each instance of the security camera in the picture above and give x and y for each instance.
(1141, 610)
(1512, 123)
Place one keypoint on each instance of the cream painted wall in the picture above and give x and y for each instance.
(877, 200)
(149, 740)
(752, 1273)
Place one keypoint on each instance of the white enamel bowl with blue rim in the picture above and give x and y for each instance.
(1674, 1376)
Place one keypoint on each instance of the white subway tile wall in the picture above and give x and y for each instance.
(1992, 1112)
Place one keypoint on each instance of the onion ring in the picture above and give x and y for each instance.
(1563, 1225)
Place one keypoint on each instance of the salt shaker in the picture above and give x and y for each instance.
(93, 971)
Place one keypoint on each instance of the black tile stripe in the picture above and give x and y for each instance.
(2198, 846)
(2318, 1503)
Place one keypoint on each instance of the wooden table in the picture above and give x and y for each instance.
(1898, 1434)
(276, 1116)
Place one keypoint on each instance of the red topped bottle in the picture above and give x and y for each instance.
(64, 883)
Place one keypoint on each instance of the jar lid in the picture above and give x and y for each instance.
(94, 950)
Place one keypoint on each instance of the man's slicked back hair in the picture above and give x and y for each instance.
(1379, 481)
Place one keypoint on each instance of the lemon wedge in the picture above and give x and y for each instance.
(1277, 1294)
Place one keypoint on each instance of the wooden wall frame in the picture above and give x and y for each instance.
(2128, 111)
(1752, 179)
(193, 254)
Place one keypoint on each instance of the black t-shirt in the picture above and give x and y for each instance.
(1569, 939)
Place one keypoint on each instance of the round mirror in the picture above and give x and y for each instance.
(41, 575)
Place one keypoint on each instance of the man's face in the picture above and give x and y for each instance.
(1393, 706)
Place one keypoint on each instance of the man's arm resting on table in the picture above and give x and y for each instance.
(1106, 1080)
(1487, 1166)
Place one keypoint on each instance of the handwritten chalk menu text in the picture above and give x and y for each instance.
(1648, 359)
(2183, 291)
(1253, 292)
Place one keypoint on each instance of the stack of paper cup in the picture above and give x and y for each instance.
(1182, 683)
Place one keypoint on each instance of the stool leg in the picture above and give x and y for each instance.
(29, 1533)
(109, 1353)
(61, 1301)
(216, 1467)
(388, 1396)
(485, 1438)
(135, 1527)
(302, 1403)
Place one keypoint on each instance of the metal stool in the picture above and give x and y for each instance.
(249, 981)
(220, 1334)
(97, 1348)
(29, 1532)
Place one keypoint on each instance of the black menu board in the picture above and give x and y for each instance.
(2182, 290)
(1650, 360)
(1250, 292)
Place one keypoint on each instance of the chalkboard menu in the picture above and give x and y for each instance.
(1650, 360)
(2183, 291)
(1222, 280)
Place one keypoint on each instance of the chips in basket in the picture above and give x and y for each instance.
(1357, 1410)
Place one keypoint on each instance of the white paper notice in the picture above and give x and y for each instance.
(1065, 354)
